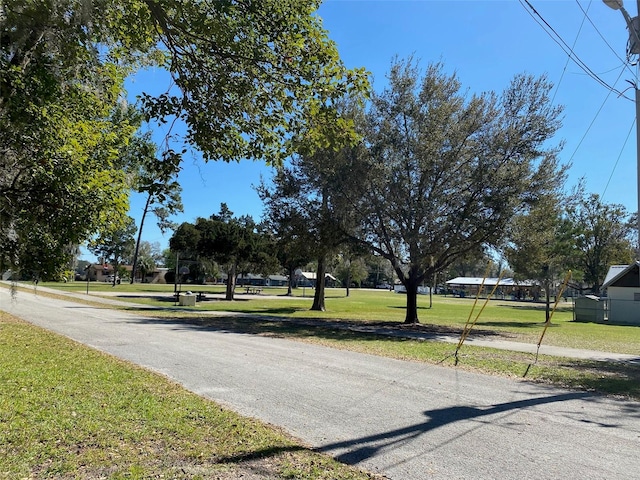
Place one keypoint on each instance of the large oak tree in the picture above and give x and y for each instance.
(441, 172)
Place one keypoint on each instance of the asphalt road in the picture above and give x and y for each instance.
(404, 419)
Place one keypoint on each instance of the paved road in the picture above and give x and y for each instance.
(404, 419)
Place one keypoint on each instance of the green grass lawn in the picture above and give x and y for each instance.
(70, 412)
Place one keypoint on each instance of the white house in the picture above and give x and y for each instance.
(308, 279)
(623, 293)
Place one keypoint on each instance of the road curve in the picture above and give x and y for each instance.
(406, 420)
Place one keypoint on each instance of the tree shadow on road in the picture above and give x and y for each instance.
(359, 449)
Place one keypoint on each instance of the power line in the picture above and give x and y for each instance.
(571, 55)
(565, 47)
(625, 63)
(564, 70)
(618, 159)
(594, 119)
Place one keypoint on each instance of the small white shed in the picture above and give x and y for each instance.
(623, 293)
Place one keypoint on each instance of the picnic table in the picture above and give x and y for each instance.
(254, 290)
(199, 295)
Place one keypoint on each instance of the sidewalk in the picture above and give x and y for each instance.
(373, 329)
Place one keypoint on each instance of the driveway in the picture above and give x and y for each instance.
(406, 420)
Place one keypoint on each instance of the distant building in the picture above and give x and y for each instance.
(623, 293)
(308, 279)
(260, 281)
(99, 272)
(506, 287)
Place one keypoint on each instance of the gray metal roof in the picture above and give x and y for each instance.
(490, 282)
(616, 272)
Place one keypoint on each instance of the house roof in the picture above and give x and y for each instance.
(312, 275)
(489, 282)
(618, 272)
(252, 276)
(281, 278)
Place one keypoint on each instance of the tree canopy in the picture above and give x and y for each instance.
(115, 246)
(304, 210)
(62, 132)
(156, 178)
(229, 241)
(602, 235)
(287, 226)
(249, 78)
(540, 245)
(441, 173)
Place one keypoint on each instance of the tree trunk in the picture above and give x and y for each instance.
(433, 283)
(547, 310)
(116, 263)
(231, 282)
(318, 296)
(290, 282)
(412, 301)
(410, 281)
(348, 279)
(135, 253)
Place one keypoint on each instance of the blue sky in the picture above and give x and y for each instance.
(485, 42)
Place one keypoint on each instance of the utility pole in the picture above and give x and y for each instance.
(633, 48)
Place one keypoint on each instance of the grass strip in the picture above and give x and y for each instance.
(71, 412)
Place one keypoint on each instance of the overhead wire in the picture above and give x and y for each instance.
(594, 119)
(566, 48)
(571, 55)
(625, 67)
(615, 165)
(566, 64)
(586, 16)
